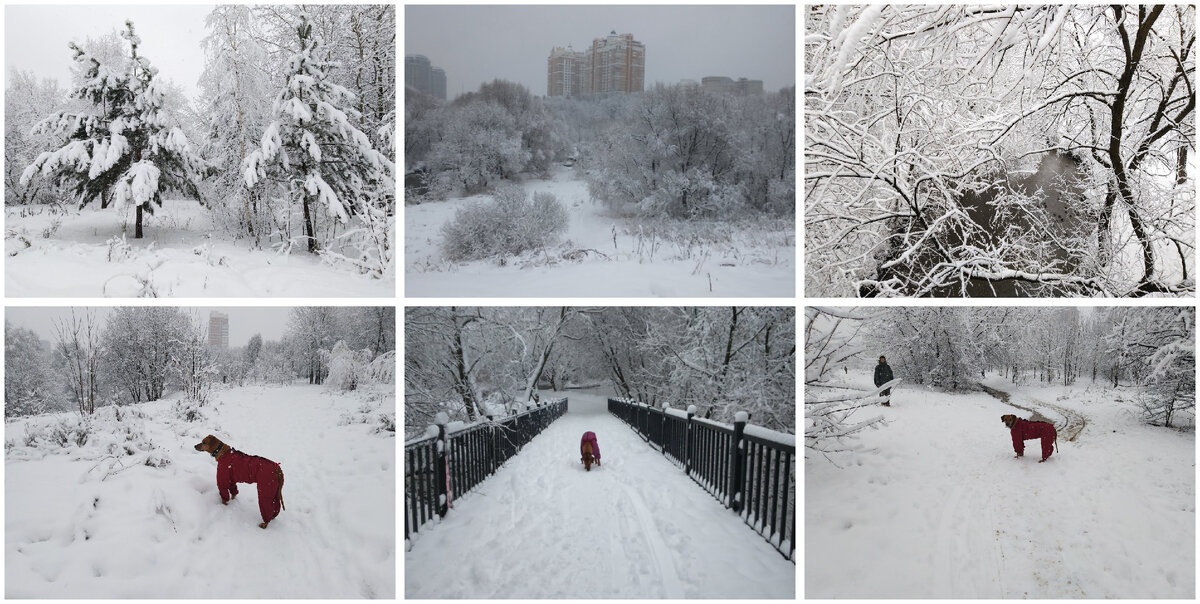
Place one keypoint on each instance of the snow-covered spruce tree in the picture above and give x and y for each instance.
(122, 150)
(315, 153)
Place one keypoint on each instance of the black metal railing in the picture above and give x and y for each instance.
(442, 466)
(750, 469)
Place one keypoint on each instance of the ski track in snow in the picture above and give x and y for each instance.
(937, 507)
(162, 532)
(634, 527)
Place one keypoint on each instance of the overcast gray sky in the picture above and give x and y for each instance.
(36, 37)
(244, 321)
(477, 44)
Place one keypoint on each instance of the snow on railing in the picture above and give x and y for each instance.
(453, 457)
(750, 469)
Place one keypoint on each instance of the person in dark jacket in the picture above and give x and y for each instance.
(883, 375)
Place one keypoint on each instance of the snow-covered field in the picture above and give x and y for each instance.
(92, 252)
(938, 507)
(604, 256)
(635, 527)
(134, 512)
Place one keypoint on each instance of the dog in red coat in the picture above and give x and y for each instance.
(234, 467)
(589, 450)
(1023, 430)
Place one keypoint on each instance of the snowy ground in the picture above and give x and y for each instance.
(82, 253)
(625, 260)
(636, 527)
(941, 509)
(82, 523)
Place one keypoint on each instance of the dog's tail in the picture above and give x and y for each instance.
(279, 471)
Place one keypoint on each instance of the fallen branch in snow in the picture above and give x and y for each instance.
(578, 254)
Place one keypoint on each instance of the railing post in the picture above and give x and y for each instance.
(662, 428)
(442, 453)
(737, 459)
(493, 446)
(687, 441)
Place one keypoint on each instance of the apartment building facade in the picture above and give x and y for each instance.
(612, 64)
(421, 75)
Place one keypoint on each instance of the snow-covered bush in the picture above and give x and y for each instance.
(347, 367)
(509, 225)
(61, 433)
(381, 422)
(683, 152)
(382, 370)
(189, 410)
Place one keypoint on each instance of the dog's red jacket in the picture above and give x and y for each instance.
(1025, 430)
(590, 437)
(235, 467)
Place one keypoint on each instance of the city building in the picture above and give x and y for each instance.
(218, 329)
(437, 77)
(565, 69)
(724, 85)
(421, 75)
(615, 63)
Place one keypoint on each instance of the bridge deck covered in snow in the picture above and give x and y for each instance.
(636, 527)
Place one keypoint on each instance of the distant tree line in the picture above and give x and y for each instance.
(672, 151)
(139, 354)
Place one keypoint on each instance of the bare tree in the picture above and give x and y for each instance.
(79, 347)
(993, 151)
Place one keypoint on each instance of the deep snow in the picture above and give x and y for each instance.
(635, 527)
(83, 523)
(937, 506)
(84, 253)
(624, 260)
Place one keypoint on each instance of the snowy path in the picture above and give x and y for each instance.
(636, 527)
(938, 507)
(162, 532)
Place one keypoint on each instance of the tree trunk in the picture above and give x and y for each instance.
(137, 227)
(462, 376)
(308, 228)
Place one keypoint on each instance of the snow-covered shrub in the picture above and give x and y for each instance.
(369, 413)
(347, 367)
(382, 370)
(119, 249)
(189, 410)
(73, 430)
(509, 225)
